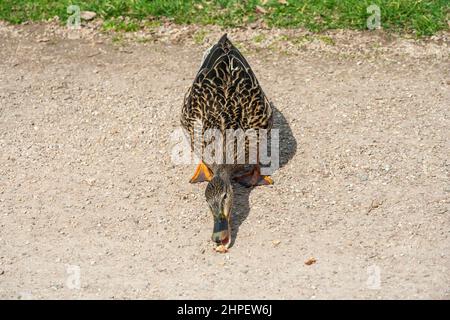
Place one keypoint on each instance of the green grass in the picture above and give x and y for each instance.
(118, 24)
(423, 17)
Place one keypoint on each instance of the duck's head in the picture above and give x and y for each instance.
(219, 196)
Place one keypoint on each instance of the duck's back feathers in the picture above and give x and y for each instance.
(225, 93)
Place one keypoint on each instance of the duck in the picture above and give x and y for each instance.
(225, 95)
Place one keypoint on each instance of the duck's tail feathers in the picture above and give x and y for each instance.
(222, 48)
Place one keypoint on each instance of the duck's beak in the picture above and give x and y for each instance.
(222, 231)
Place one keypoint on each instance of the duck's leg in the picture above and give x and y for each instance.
(202, 173)
(254, 178)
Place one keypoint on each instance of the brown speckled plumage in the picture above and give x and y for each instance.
(225, 94)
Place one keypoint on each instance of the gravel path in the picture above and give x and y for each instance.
(88, 188)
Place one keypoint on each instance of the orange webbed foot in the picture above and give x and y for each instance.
(254, 178)
(202, 173)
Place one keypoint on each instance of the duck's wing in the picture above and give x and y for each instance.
(225, 93)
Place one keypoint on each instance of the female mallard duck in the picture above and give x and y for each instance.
(225, 95)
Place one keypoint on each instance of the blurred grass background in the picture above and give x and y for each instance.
(421, 17)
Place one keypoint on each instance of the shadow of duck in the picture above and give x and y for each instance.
(287, 149)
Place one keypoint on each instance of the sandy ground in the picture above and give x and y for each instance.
(92, 206)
